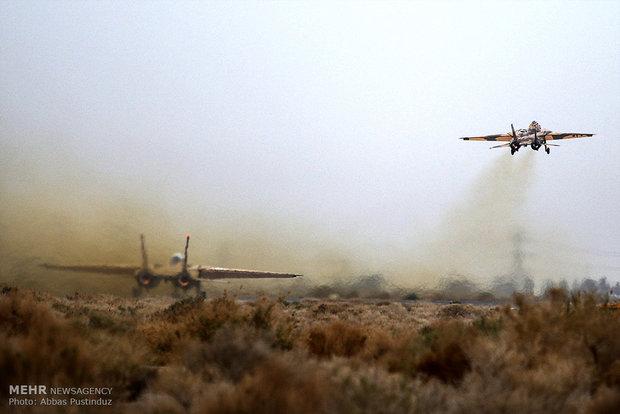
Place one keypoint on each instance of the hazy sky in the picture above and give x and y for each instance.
(320, 121)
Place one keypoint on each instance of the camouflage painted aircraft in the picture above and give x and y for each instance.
(185, 278)
(533, 136)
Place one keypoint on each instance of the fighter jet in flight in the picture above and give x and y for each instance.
(184, 278)
(534, 136)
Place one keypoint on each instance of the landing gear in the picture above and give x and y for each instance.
(547, 150)
(536, 143)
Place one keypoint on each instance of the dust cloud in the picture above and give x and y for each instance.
(55, 227)
(56, 209)
(476, 237)
(488, 244)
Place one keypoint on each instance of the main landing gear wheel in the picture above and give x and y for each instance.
(547, 150)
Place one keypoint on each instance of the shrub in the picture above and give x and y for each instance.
(336, 338)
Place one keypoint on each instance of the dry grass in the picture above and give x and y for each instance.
(560, 354)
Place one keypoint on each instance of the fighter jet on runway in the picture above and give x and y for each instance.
(534, 136)
(187, 277)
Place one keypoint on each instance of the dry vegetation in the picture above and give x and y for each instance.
(557, 355)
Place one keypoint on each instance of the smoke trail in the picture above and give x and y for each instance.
(57, 209)
(476, 236)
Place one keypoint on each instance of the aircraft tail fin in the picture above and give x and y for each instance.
(145, 261)
(185, 255)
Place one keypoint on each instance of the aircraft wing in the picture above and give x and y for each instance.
(496, 137)
(106, 269)
(565, 135)
(223, 273)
